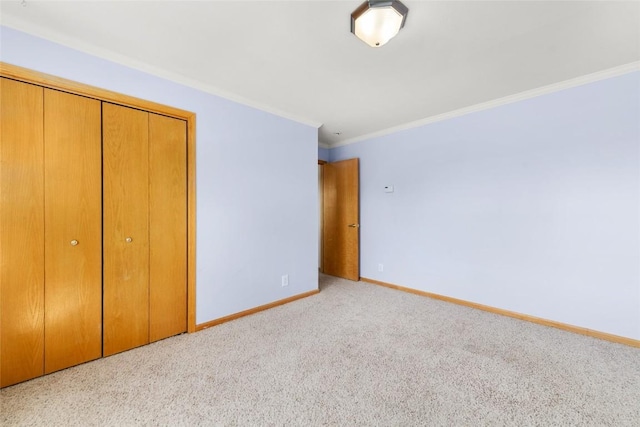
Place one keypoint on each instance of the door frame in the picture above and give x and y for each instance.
(323, 164)
(26, 75)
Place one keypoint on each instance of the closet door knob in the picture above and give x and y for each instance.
(74, 243)
(128, 240)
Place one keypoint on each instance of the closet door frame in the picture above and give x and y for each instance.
(52, 82)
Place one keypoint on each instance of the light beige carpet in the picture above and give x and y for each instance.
(355, 354)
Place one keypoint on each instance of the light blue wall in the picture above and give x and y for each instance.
(323, 154)
(257, 202)
(531, 207)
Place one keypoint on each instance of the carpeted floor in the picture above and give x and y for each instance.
(355, 354)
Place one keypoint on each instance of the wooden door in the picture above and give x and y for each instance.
(341, 219)
(73, 229)
(21, 232)
(167, 226)
(126, 228)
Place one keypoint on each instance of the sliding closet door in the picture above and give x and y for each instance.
(21, 232)
(126, 228)
(73, 229)
(168, 226)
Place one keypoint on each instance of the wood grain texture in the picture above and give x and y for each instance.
(320, 214)
(73, 211)
(70, 86)
(21, 232)
(167, 227)
(255, 310)
(191, 223)
(341, 208)
(53, 82)
(552, 323)
(126, 215)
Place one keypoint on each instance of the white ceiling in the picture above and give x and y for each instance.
(299, 59)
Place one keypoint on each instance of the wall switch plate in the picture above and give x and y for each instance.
(380, 267)
(388, 188)
(285, 280)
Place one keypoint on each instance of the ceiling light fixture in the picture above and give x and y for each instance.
(376, 22)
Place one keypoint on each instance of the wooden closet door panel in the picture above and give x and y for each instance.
(73, 229)
(167, 226)
(126, 216)
(21, 232)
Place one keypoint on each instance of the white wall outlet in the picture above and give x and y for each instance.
(380, 267)
(285, 280)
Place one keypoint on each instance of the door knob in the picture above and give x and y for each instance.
(354, 225)
(128, 240)
(74, 243)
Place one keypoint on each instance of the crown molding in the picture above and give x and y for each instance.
(544, 90)
(70, 42)
(38, 31)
